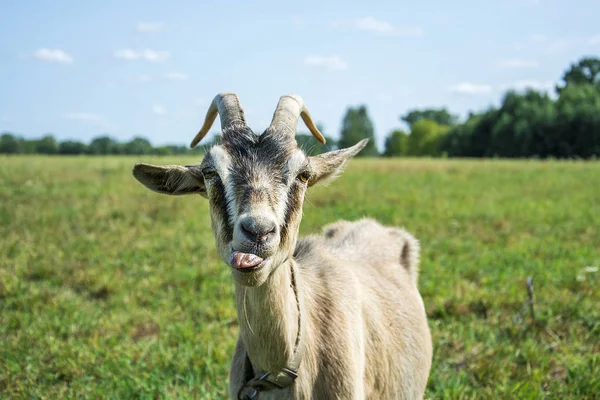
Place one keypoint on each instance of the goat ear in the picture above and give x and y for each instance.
(170, 179)
(328, 166)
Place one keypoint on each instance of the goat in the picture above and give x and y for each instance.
(330, 316)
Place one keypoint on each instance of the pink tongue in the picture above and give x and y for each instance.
(244, 260)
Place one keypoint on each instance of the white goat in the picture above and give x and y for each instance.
(331, 316)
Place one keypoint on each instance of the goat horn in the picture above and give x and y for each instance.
(227, 105)
(289, 108)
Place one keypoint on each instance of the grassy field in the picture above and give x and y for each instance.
(110, 291)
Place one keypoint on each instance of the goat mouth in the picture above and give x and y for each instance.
(246, 262)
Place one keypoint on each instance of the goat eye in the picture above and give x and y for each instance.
(303, 177)
(209, 173)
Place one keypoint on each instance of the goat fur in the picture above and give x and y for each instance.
(367, 335)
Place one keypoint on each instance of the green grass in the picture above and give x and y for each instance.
(108, 290)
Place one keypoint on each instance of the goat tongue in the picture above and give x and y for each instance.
(244, 260)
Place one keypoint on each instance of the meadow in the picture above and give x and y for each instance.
(108, 290)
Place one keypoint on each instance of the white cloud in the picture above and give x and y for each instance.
(367, 24)
(159, 110)
(176, 76)
(372, 24)
(594, 40)
(149, 26)
(471, 89)
(518, 63)
(54, 55)
(332, 63)
(127, 54)
(529, 84)
(146, 55)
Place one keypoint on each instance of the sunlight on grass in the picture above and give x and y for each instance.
(108, 290)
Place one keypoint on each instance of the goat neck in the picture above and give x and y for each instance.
(269, 318)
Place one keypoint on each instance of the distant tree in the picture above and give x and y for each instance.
(585, 72)
(72, 147)
(458, 142)
(425, 138)
(396, 144)
(578, 122)
(47, 145)
(162, 151)
(137, 145)
(441, 116)
(178, 149)
(9, 144)
(481, 134)
(357, 126)
(27, 146)
(522, 123)
(104, 145)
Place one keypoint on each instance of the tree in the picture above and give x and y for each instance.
(138, 145)
(103, 145)
(522, 122)
(162, 151)
(425, 138)
(458, 142)
(178, 149)
(585, 72)
(9, 144)
(578, 122)
(27, 146)
(440, 116)
(396, 144)
(72, 147)
(46, 145)
(357, 126)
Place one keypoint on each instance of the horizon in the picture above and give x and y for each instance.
(151, 71)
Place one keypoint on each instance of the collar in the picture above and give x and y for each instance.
(265, 381)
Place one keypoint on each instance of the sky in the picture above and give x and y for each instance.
(78, 69)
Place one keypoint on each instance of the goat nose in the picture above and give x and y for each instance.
(257, 229)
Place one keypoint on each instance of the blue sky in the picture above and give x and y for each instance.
(78, 69)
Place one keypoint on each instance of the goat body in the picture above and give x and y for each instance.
(367, 335)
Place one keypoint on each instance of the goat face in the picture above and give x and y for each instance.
(255, 185)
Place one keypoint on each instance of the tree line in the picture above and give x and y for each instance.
(526, 124)
(102, 145)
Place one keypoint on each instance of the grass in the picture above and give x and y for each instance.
(108, 290)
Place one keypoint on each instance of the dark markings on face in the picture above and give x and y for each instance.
(218, 200)
(292, 210)
(257, 157)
